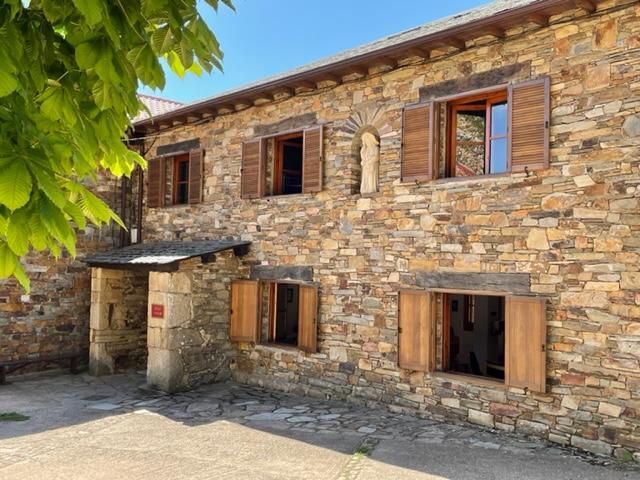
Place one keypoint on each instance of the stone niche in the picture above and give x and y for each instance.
(118, 322)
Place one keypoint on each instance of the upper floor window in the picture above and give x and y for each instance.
(477, 136)
(282, 164)
(175, 180)
(503, 130)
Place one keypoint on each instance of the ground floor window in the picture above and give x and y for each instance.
(284, 313)
(498, 337)
(274, 312)
(473, 335)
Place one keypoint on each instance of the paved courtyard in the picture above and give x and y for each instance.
(81, 427)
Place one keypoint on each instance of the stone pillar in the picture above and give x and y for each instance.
(170, 308)
(107, 298)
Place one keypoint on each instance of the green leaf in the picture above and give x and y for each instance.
(15, 185)
(175, 64)
(57, 225)
(90, 9)
(163, 40)
(48, 185)
(8, 83)
(18, 233)
(22, 277)
(8, 260)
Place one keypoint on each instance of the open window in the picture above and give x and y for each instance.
(289, 319)
(287, 171)
(474, 335)
(477, 135)
(175, 179)
(282, 164)
(493, 131)
(498, 337)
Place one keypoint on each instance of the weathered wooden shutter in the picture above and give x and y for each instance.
(156, 181)
(420, 126)
(529, 125)
(308, 318)
(253, 168)
(195, 175)
(525, 343)
(312, 160)
(245, 311)
(416, 330)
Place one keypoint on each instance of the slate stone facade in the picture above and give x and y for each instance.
(568, 233)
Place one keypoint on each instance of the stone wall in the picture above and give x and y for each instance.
(573, 228)
(188, 343)
(118, 333)
(54, 317)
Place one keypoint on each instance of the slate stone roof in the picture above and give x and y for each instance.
(441, 25)
(156, 105)
(161, 255)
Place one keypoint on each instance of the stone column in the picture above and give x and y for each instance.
(107, 298)
(170, 308)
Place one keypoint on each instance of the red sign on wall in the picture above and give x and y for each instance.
(157, 311)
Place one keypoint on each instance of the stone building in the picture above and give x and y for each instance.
(494, 275)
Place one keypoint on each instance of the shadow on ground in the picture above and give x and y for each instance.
(109, 427)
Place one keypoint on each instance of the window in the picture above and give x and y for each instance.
(498, 336)
(283, 318)
(473, 335)
(497, 131)
(282, 164)
(287, 172)
(477, 136)
(180, 180)
(175, 180)
(290, 317)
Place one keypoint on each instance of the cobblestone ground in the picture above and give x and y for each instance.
(83, 427)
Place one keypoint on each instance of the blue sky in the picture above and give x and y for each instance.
(265, 37)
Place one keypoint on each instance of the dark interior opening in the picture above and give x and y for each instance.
(476, 334)
(181, 180)
(289, 165)
(286, 314)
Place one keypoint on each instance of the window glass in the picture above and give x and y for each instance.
(499, 119)
(498, 162)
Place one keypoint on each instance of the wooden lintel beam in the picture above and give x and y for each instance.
(538, 19)
(587, 5)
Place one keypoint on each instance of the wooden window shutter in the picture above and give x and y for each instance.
(245, 311)
(156, 182)
(529, 125)
(416, 330)
(420, 126)
(196, 162)
(308, 318)
(525, 343)
(312, 160)
(253, 168)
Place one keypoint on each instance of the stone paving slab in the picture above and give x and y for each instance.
(94, 428)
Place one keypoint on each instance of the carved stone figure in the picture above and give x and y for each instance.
(370, 159)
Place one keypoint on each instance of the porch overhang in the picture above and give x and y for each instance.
(163, 256)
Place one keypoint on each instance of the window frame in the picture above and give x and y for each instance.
(177, 160)
(464, 102)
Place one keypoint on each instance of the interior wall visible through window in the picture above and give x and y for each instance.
(180, 180)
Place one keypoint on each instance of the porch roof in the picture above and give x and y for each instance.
(163, 256)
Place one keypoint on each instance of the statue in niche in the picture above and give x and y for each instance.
(370, 160)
